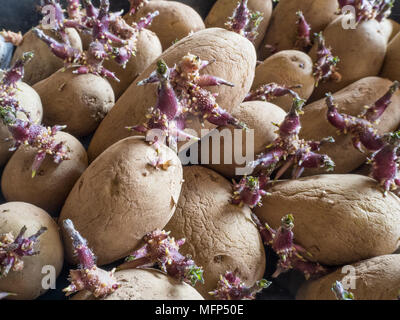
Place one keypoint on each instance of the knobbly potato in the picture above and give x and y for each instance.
(219, 236)
(146, 284)
(52, 183)
(223, 9)
(121, 197)
(235, 61)
(339, 219)
(375, 279)
(27, 283)
(391, 67)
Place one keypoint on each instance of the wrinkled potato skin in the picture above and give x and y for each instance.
(339, 219)
(52, 183)
(235, 61)
(148, 49)
(219, 236)
(44, 63)
(391, 67)
(289, 68)
(282, 31)
(351, 100)
(223, 9)
(146, 284)
(78, 101)
(28, 100)
(132, 199)
(368, 41)
(376, 279)
(175, 21)
(257, 115)
(27, 284)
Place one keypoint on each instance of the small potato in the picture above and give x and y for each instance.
(223, 9)
(339, 219)
(78, 101)
(175, 21)
(375, 279)
(29, 101)
(219, 236)
(146, 284)
(52, 183)
(289, 68)
(121, 197)
(27, 283)
(257, 115)
(44, 63)
(391, 66)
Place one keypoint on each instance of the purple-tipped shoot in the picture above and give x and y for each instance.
(303, 41)
(16, 73)
(340, 293)
(249, 191)
(269, 92)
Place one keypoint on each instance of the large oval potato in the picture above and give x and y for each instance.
(52, 183)
(223, 9)
(27, 283)
(219, 236)
(235, 61)
(375, 279)
(44, 63)
(121, 197)
(146, 284)
(289, 68)
(175, 21)
(29, 101)
(350, 100)
(282, 32)
(391, 66)
(339, 219)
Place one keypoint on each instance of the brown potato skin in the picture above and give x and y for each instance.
(78, 101)
(257, 115)
(339, 219)
(120, 198)
(27, 283)
(148, 49)
(52, 183)
(391, 67)
(44, 63)
(219, 236)
(350, 100)
(146, 284)
(235, 61)
(223, 9)
(282, 31)
(29, 101)
(368, 41)
(289, 68)
(376, 279)
(175, 21)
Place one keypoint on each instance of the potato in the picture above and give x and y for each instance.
(78, 101)
(52, 183)
(235, 61)
(148, 49)
(361, 52)
(146, 284)
(29, 101)
(44, 63)
(175, 21)
(339, 219)
(390, 29)
(289, 68)
(121, 197)
(27, 283)
(219, 236)
(391, 67)
(223, 9)
(376, 279)
(395, 29)
(350, 100)
(257, 115)
(282, 31)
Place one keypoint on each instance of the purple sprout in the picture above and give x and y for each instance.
(136, 5)
(303, 41)
(12, 250)
(269, 92)
(340, 292)
(369, 9)
(88, 277)
(250, 191)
